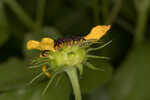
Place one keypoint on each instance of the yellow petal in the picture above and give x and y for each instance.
(31, 44)
(97, 32)
(47, 44)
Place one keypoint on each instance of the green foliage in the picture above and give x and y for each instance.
(92, 79)
(4, 26)
(132, 79)
(16, 75)
(34, 92)
(14, 84)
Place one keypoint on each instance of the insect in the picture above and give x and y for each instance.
(47, 44)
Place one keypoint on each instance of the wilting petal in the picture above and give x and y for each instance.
(97, 32)
(31, 44)
(47, 44)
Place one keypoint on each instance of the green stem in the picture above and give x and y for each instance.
(141, 24)
(96, 11)
(21, 14)
(40, 12)
(72, 73)
(105, 9)
(115, 12)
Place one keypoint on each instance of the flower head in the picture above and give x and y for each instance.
(49, 44)
(67, 55)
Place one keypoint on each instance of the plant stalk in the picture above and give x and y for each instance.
(105, 10)
(114, 13)
(73, 76)
(96, 11)
(26, 20)
(141, 25)
(40, 12)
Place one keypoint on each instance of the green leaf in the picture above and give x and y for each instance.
(62, 92)
(131, 81)
(4, 26)
(92, 79)
(13, 74)
(14, 79)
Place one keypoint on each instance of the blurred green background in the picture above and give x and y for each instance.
(126, 75)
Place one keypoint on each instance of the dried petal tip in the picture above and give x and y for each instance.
(98, 32)
(31, 44)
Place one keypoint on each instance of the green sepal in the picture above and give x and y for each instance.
(38, 65)
(100, 47)
(49, 83)
(40, 60)
(36, 77)
(98, 57)
(80, 68)
(89, 65)
(58, 80)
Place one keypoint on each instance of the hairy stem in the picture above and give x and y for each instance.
(72, 73)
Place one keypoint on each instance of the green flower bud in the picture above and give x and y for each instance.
(67, 57)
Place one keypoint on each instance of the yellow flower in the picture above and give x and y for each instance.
(70, 59)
